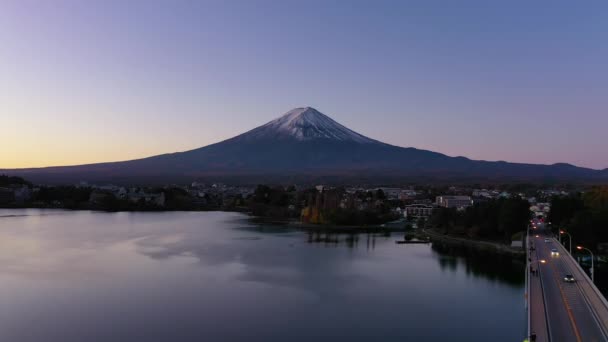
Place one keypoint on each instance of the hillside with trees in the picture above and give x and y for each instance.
(495, 220)
(583, 215)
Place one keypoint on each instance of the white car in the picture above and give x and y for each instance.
(547, 240)
(554, 251)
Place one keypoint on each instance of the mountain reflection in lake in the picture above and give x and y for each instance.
(190, 276)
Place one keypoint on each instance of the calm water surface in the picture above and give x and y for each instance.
(87, 276)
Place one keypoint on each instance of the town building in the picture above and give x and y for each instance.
(418, 210)
(391, 193)
(540, 209)
(453, 201)
(407, 195)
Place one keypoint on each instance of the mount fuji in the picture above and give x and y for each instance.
(305, 145)
(304, 124)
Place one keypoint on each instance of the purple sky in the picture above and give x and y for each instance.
(86, 81)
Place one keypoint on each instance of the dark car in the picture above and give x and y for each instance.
(569, 278)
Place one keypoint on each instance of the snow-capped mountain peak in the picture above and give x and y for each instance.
(306, 123)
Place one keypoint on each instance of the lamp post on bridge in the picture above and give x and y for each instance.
(569, 238)
(590, 252)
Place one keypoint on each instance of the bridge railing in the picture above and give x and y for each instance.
(527, 285)
(586, 286)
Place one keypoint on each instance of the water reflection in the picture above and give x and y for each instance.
(453, 258)
(86, 276)
(334, 240)
(480, 263)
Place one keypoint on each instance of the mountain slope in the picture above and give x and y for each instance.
(303, 124)
(306, 145)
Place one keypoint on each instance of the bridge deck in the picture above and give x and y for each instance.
(558, 310)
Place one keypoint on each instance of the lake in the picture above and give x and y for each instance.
(215, 276)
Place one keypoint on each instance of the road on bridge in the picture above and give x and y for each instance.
(560, 310)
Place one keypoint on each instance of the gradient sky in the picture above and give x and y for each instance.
(85, 81)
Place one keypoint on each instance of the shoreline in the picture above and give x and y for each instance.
(292, 223)
(480, 245)
(434, 236)
(430, 234)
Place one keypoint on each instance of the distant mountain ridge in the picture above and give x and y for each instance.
(305, 145)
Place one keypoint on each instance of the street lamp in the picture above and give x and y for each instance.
(569, 238)
(590, 252)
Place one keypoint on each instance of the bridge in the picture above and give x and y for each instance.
(560, 310)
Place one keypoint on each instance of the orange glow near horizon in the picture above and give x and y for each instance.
(77, 148)
(41, 156)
